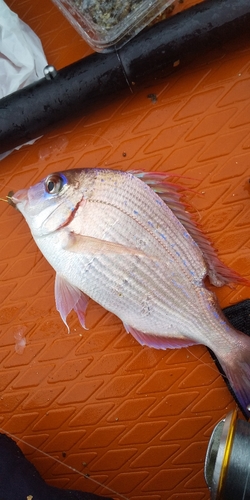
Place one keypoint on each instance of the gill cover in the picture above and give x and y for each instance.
(51, 204)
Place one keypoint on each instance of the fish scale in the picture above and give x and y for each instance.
(111, 237)
(135, 234)
(105, 193)
(125, 238)
(156, 280)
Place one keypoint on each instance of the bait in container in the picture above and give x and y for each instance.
(108, 24)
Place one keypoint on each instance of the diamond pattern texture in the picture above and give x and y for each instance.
(93, 409)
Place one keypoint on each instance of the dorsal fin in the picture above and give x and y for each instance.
(171, 193)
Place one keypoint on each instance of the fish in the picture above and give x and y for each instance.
(127, 241)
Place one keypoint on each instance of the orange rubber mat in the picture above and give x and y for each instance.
(93, 410)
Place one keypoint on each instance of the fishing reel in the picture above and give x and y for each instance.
(227, 462)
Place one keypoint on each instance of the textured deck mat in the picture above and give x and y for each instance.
(94, 410)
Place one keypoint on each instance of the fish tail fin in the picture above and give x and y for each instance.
(237, 370)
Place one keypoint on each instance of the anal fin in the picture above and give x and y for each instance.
(158, 342)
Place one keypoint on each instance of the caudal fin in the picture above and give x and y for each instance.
(237, 370)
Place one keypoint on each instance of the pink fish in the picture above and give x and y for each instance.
(125, 240)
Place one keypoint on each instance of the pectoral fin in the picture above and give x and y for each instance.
(158, 342)
(79, 243)
(69, 297)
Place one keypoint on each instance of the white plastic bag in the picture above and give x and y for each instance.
(22, 58)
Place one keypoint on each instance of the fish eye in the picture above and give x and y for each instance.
(54, 183)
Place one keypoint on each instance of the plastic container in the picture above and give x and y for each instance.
(108, 24)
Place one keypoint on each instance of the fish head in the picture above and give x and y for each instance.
(51, 203)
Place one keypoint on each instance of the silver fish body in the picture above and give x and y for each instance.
(111, 237)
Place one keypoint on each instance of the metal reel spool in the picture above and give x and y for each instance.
(227, 463)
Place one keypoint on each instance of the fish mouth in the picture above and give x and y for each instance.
(19, 197)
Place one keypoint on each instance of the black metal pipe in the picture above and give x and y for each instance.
(29, 112)
(203, 27)
(99, 78)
